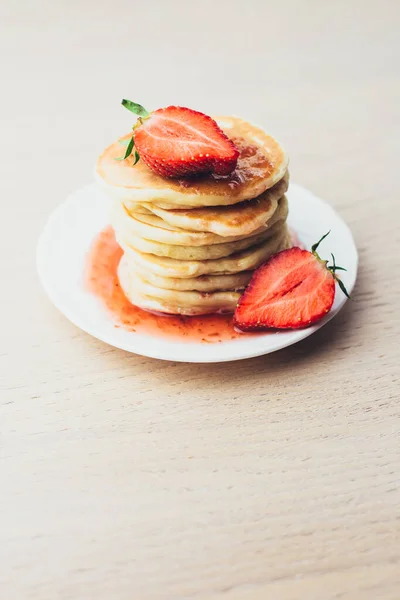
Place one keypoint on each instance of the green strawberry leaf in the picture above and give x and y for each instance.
(137, 109)
(334, 267)
(137, 157)
(342, 287)
(129, 148)
(315, 246)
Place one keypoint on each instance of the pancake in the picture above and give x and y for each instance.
(210, 252)
(245, 260)
(150, 297)
(222, 302)
(152, 227)
(204, 283)
(239, 219)
(261, 164)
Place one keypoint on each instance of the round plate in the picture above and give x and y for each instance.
(73, 225)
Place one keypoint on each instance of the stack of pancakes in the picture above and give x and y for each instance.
(190, 246)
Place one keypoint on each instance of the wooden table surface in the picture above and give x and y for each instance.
(127, 478)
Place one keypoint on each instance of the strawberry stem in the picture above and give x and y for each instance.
(142, 113)
(331, 268)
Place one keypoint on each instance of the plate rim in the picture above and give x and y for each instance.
(179, 349)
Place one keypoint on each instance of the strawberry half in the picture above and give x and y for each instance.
(293, 289)
(181, 142)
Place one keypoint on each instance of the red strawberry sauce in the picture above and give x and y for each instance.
(101, 279)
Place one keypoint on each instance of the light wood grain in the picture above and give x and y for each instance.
(126, 478)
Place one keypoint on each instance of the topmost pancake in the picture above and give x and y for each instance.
(261, 164)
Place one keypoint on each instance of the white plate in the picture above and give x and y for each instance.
(74, 224)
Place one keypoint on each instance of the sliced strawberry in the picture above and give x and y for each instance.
(181, 142)
(294, 289)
